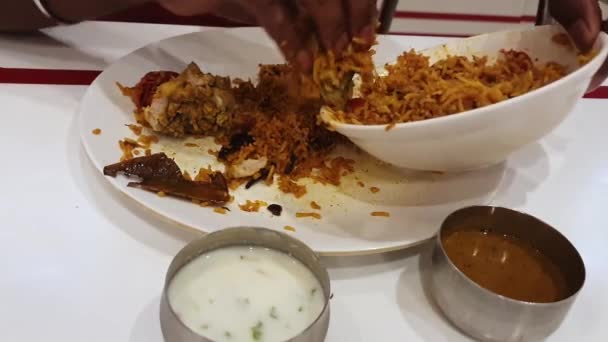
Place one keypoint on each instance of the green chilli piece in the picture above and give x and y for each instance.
(273, 313)
(256, 331)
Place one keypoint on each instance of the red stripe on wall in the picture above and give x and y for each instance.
(86, 77)
(464, 17)
(48, 76)
(429, 34)
(599, 93)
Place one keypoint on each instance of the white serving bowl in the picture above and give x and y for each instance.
(487, 135)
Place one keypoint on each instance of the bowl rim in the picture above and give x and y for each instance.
(289, 238)
(601, 55)
(470, 281)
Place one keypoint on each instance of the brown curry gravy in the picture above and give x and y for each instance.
(506, 265)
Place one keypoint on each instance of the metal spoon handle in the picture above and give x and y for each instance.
(543, 17)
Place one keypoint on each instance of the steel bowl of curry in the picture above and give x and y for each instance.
(503, 275)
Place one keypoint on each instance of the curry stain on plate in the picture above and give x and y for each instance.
(506, 265)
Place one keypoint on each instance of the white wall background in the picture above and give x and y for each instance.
(464, 17)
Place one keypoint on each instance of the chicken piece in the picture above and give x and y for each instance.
(141, 94)
(247, 168)
(191, 103)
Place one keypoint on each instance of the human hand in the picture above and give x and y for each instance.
(228, 9)
(583, 21)
(293, 23)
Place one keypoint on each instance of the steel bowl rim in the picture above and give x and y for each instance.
(470, 281)
(261, 229)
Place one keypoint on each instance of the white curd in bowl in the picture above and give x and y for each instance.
(244, 293)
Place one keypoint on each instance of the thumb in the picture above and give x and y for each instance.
(581, 18)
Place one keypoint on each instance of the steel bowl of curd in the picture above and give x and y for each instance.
(245, 284)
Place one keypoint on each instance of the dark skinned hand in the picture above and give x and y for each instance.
(292, 24)
(583, 21)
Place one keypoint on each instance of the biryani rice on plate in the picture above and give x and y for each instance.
(269, 130)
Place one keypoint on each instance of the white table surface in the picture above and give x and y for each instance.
(81, 263)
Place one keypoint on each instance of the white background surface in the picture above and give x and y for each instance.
(446, 23)
(82, 263)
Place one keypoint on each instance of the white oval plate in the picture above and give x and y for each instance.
(417, 202)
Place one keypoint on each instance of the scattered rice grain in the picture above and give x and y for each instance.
(136, 129)
(220, 210)
(315, 205)
(127, 146)
(313, 215)
(252, 206)
(147, 140)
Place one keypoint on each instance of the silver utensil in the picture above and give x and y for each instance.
(486, 315)
(175, 331)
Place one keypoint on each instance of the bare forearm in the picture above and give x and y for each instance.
(23, 15)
